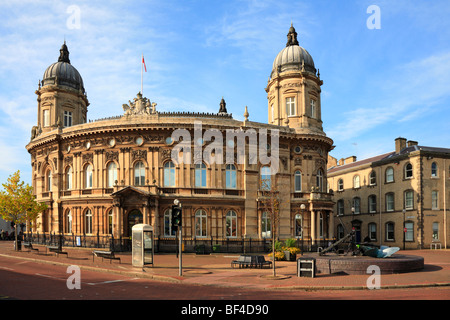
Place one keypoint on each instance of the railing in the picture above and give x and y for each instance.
(170, 245)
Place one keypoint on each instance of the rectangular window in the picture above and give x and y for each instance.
(435, 231)
(372, 204)
(46, 118)
(390, 202)
(409, 235)
(290, 106)
(409, 203)
(313, 109)
(390, 232)
(434, 200)
(67, 118)
(373, 232)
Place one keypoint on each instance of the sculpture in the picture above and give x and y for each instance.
(140, 106)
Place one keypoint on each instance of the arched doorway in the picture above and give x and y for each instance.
(134, 217)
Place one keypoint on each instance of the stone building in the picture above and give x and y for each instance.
(397, 199)
(104, 176)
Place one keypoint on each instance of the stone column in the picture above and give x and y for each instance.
(313, 226)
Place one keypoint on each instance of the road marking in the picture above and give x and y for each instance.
(47, 276)
(110, 281)
(6, 268)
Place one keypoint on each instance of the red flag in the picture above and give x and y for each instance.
(144, 64)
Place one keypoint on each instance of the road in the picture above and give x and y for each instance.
(29, 280)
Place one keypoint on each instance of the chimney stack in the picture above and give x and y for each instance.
(400, 144)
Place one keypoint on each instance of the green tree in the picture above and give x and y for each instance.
(18, 204)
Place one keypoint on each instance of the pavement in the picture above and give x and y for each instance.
(216, 270)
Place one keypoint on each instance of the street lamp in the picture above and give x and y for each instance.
(404, 228)
(302, 209)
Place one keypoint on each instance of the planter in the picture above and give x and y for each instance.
(290, 256)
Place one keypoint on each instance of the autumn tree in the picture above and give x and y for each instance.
(18, 204)
(270, 204)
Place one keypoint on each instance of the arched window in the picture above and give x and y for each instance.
(200, 175)
(298, 181)
(48, 179)
(231, 224)
(373, 178)
(266, 178)
(112, 174)
(139, 174)
(389, 175)
(356, 183)
(200, 223)
(169, 174)
(434, 169)
(88, 177)
(408, 171)
(319, 180)
(168, 232)
(340, 185)
(68, 182)
(88, 221)
(230, 176)
(68, 222)
(265, 225)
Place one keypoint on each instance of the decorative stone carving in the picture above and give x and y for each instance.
(138, 154)
(140, 106)
(88, 157)
(112, 156)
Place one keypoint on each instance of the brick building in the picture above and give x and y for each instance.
(400, 198)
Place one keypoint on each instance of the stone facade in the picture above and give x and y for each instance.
(406, 188)
(102, 177)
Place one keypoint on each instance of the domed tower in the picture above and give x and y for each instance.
(293, 89)
(62, 100)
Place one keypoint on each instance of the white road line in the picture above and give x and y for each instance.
(47, 276)
(111, 281)
(6, 268)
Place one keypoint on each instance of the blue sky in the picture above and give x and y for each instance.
(378, 84)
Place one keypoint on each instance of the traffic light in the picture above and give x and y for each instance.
(176, 217)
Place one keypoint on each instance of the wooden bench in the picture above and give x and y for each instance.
(105, 254)
(57, 250)
(29, 246)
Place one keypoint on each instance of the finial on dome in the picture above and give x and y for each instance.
(223, 106)
(292, 37)
(64, 53)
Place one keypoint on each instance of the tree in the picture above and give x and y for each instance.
(270, 204)
(18, 204)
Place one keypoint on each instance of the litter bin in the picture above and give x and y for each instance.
(306, 267)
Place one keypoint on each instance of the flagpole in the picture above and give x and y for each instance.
(142, 75)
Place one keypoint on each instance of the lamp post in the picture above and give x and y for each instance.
(353, 230)
(302, 209)
(404, 228)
